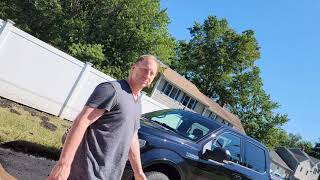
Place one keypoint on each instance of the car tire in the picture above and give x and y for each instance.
(154, 175)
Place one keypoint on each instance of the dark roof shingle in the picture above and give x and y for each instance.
(277, 159)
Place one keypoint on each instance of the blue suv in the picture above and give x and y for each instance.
(181, 145)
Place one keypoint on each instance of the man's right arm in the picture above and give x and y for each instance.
(87, 116)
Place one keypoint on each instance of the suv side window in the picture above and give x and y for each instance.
(255, 157)
(230, 142)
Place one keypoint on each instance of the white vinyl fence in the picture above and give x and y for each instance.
(40, 76)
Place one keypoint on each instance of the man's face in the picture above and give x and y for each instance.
(144, 72)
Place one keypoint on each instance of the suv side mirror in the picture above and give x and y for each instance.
(218, 154)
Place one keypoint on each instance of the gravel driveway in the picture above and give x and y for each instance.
(25, 167)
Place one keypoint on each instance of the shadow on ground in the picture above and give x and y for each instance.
(23, 166)
(33, 149)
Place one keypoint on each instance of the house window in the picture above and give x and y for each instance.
(170, 90)
(177, 94)
(188, 101)
(173, 93)
(230, 125)
(185, 100)
(192, 104)
(219, 119)
(212, 115)
(164, 86)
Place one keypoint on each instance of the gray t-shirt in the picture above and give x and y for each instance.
(103, 151)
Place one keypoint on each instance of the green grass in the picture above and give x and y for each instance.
(25, 130)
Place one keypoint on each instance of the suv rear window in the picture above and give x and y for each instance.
(186, 124)
(255, 157)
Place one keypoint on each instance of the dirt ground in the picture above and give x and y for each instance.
(25, 167)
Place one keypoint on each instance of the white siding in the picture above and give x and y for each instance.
(302, 174)
(199, 108)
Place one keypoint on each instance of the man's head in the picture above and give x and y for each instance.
(143, 71)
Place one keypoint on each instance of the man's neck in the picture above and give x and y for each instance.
(134, 88)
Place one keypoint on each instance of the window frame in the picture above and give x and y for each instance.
(164, 86)
(193, 105)
(221, 134)
(173, 92)
(247, 141)
(184, 98)
(167, 91)
(177, 94)
(212, 115)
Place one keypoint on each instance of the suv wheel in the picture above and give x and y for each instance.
(154, 175)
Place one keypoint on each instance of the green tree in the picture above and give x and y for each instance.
(93, 53)
(316, 150)
(122, 30)
(221, 63)
(293, 140)
(296, 141)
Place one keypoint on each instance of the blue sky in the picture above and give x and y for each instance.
(288, 33)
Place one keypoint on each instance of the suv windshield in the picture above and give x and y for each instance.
(186, 124)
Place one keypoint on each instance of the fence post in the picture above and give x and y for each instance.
(5, 31)
(75, 90)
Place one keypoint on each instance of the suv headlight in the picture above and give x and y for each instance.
(142, 143)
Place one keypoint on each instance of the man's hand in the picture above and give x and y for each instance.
(140, 176)
(59, 172)
(134, 158)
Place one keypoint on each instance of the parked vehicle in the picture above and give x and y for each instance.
(181, 145)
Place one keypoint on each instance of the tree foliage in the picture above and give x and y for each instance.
(316, 150)
(296, 141)
(221, 63)
(120, 30)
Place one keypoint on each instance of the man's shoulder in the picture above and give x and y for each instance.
(110, 83)
(115, 84)
(106, 84)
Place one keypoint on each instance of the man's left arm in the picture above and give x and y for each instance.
(134, 158)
